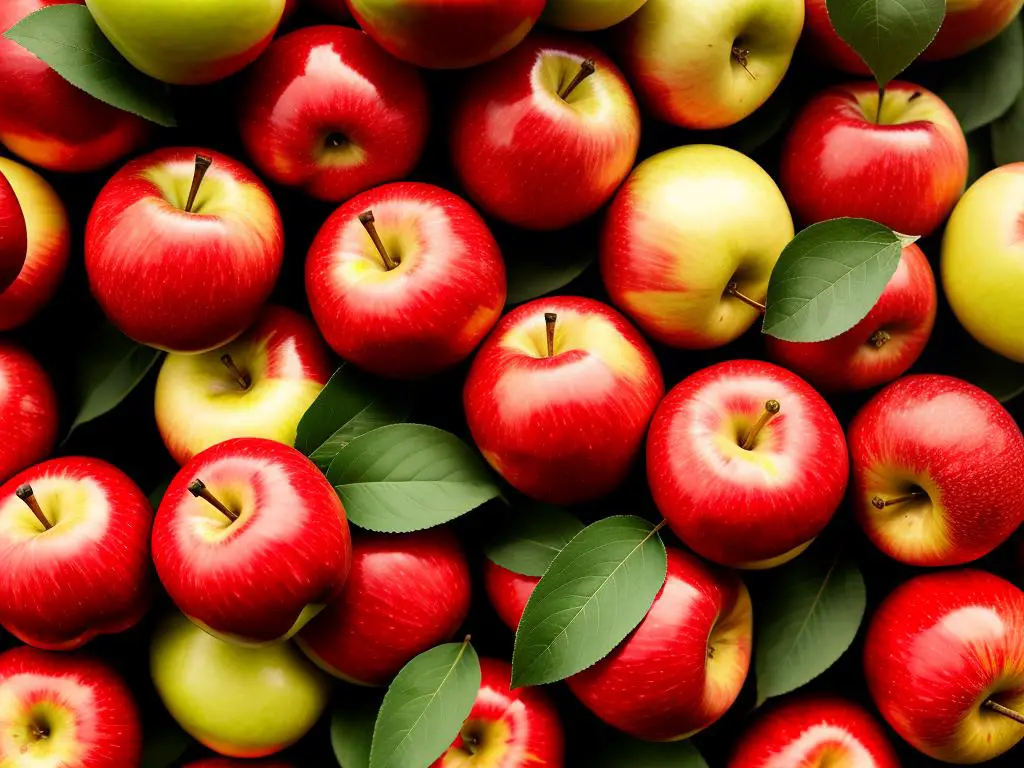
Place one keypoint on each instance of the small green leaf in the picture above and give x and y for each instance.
(157, 494)
(597, 589)
(164, 744)
(887, 34)
(1000, 377)
(623, 751)
(67, 39)
(407, 477)
(814, 608)
(828, 278)
(352, 729)
(531, 537)
(979, 155)
(1008, 135)
(538, 273)
(425, 707)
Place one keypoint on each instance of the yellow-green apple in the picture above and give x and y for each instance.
(28, 411)
(239, 702)
(937, 468)
(13, 235)
(544, 136)
(251, 541)
(61, 710)
(588, 15)
(447, 34)
(75, 530)
(506, 728)
(49, 245)
(559, 397)
(404, 595)
(405, 280)
(981, 256)
(259, 385)
(706, 63)
(188, 43)
(754, 439)
(904, 166)
(182, 248)
(879, 348)
(690, 242)
(326, 110)
(944, 660)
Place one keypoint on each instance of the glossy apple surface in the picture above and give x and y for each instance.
(13, 235)
(327, 110)
(953, 455)
(28, 411)
(588, 15)
(508, 592)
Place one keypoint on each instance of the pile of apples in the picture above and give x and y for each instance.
(274, 596)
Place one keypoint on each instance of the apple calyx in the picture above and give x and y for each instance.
(243, 379)
(203, 164)
(587, 68)
(742, 57)
(198, 489)
(771, 408)
(733, 290)
(27, 495)
(1005, 711)
(879, 503)
(880, 338)
(550, 318)
(335, 140)
(367, 220)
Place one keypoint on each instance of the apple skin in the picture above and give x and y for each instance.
(179, 281)
(532, 158)
(508, 592)
(428, 313)
(200, 403)
(92, 564)
(28, 411)
(13, 235)
(404, 595)
(936, 649)
(686, 224)
(955, 442)
(224, 762)
(238, 701)
(562, 429)
(860, 358)
(678, 57)
(906, 172)
(588, 15)
(87, 711)
(780, 494)
(321, 85)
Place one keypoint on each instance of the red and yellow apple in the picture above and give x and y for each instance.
(28, 411)
(13, 235)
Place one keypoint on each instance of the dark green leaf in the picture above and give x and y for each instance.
(594, 593)
(979, 155)
(425, 707)
(531, 537)
(753, 132)
(1008, 135)
(352, 729)
(164, 744)
(621, 751)
(1000, 377)
(535, 272)
(67, 39)
(157, 495)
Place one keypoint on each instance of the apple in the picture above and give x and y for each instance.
(251, 541)
(405, 280)
(879, 348)
(559, 397)
(904, 165)
(290, 6)
(690, 242)
(944, 660)
(441, 34)
(938, 465)
(49, 245)
(238, 701)
(506, 728)
(588, 15)
(68, 710)
(259, 385)
(707, 63)
(224, 762)
(13, 235)
(326, 110)
(980, 263)
(74, 540)
(28, 411)
(188, 43)
(182, 248)
(508, 592)
(405, 594)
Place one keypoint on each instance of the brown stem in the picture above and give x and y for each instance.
(243, 379)
(366, 219)
(26, 494)
(733, 290)
(550, 318)
(880, 338)
(879, 503)
(878, 111)
(771, 408)
(1005, 711)
(741, 55)
(198, 489)
(587, 68)
(914, 95)
(203, 164)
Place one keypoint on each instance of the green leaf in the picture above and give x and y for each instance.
(887, 34)
(407, 477)
(536, 272)
(814, 608)
(425, 707)
(596, 591)
(157, 494)
(351, 404)
(67, 39)
(164, 744)
(1000, 377)
(531, 537)
(829, 277)
(623, 751)
(352, 730)
(1008, 135)
(979, 155)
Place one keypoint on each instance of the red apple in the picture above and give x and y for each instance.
(251, 541)
(176, 273)
(508, 592)
(747, 463)
(879, 348)
(559, 397)
(28, 411)
(544, 136)
(65, 710)
(405, 280)
(13, 235)
(74, 541)
(938, 465)
(940, 652)
(327, 110)
(904, 166)
(290, 7)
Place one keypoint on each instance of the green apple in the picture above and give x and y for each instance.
(188, 43)
(238, 701)
(588, 15)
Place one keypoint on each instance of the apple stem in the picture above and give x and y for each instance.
(26, 494)
(733, 290)
(587, 68)
(550, 318)
(203, 164)
(771, 408)
(914, 95)
(741, 56)
(243, 379)
(198, 489)
(879, 503)
(880, 338)
(1005, 711)
(878, 110)
(367, 220)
